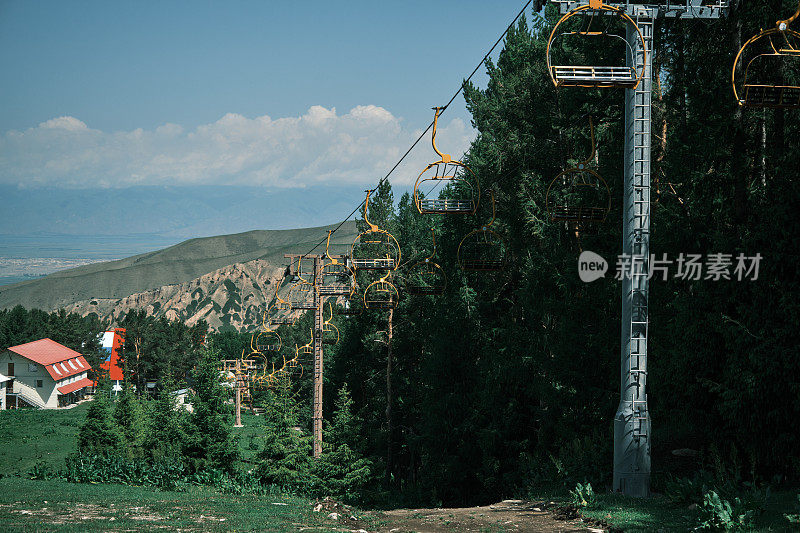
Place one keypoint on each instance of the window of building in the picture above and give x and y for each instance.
(31, 367)
(39, 383)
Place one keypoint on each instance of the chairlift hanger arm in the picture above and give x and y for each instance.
(784, 24)
(445, 157)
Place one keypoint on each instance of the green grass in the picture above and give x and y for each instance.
(652, 514)
(27, 505)
(29, 436)
(249, 436)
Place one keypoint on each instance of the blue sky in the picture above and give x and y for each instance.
(127, 65)
(274, 94)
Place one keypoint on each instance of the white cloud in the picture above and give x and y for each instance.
(320, 146)
(64, 123)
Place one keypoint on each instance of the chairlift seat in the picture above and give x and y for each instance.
(382, 263)
(380, 304)
(446, 205)
(776, 96)
(487, 265)
(424, 290)
(335, 289)
(595, 76)
(578, 214)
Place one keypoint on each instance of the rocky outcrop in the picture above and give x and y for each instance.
(235, 295)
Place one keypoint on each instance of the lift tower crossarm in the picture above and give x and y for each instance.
(677, 9)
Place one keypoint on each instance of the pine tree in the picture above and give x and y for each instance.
(131, 419)
(167, 421)
(286, 459)
(210, 442)
(342, 471)
(99, 432)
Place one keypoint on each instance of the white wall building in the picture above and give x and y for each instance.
(44, 374)
(3, 381)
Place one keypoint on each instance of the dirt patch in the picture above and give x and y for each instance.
(86, 511)
(508, 516)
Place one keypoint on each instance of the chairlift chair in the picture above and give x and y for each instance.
(579, 195)
(337, 278)
(305, 349)
(280, 305)
(771, 76)
(375, 248)
(301, 295)
(598, 76)
(381, 294)
(426, 277)
(330, 333)
(287, 320)
(459, 192)
(482, 249)
(266, 341)
(353, 304)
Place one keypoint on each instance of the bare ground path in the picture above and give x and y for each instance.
(506, 516)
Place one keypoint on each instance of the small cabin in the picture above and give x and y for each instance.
(44, 374)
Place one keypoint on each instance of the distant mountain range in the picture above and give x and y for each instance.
(224, 280)
(172, 212)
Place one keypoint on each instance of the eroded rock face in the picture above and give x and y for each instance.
(234, 295)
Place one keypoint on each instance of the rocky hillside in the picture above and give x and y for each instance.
(224, 280)
(235, 295)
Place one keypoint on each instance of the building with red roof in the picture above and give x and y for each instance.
(44, 374)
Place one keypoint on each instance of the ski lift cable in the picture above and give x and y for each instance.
(444, 108)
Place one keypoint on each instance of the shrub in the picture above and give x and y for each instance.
(718, 513)
(583, 496)
(688, 491)
(794, 518)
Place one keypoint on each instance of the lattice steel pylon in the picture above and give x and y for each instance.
(632, 420)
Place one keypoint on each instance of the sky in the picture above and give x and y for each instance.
(268, 93)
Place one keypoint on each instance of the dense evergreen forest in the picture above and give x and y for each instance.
(511, 379)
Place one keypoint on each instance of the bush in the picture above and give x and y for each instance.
(165, 475)
(794, 518)
(583, 496)
(720, 514)
(688, 491)
(41, 471)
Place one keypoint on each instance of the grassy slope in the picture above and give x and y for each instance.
(176, 264)
(29, 436)
(59, 506)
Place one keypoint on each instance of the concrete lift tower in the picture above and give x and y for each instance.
(632, 421)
